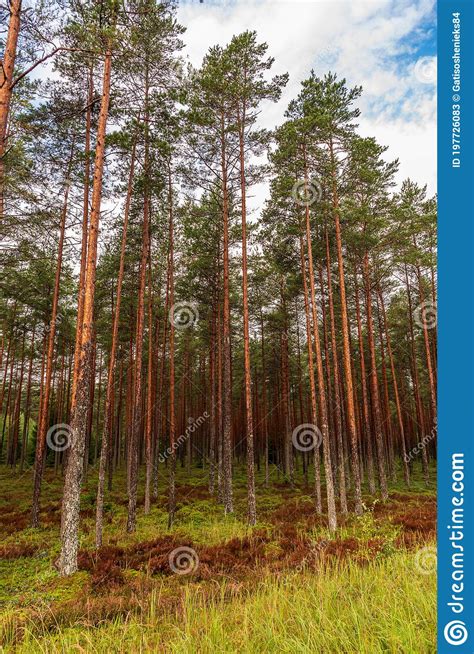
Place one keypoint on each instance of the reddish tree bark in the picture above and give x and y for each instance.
(401, 427)
(337, 395)
(44, 407)
(332, 517)
(379, 441)
(6, 80)
(79, 400)
(226, 468)
(104, 451)
(350, 412)
(312, 385)
(172, 423)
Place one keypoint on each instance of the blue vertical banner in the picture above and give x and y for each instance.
(455, 326)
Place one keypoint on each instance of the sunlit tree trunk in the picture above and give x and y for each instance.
(85, 231)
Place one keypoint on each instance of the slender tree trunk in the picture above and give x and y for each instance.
(379, 441)
(416, 383)
(7, 408)
(6, 79)
(252, 508)
(172, 425)
(115, 457)
(90, 409)
(79, 400)
(337, 395)
(26, 412)
(312, 385)
(285, 395)
(350, 413)
(365, 394)
(332, 518)
(387, 416)
(85, 228)
(219, 409)
(187, 408)
(97, 416)
(264, 401)
(44, 407)
(16, 410)
(406, 471)
(161, 380)
(108, 417)
(429, 365)
(138, 385)
(59, 407)
(149, 396)
(227, 493)
(213, 386)
(5, 370)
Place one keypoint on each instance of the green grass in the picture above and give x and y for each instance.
(379, 608)
(371, 600)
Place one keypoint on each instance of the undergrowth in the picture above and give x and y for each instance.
(285, 585)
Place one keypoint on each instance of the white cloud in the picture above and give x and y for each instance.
(368, 43)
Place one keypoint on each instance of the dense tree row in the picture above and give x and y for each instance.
(150, 319)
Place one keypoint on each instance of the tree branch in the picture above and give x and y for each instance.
(42, 60)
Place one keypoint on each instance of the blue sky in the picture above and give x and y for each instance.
(388, 47)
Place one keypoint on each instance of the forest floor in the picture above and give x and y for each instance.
(285, 585)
